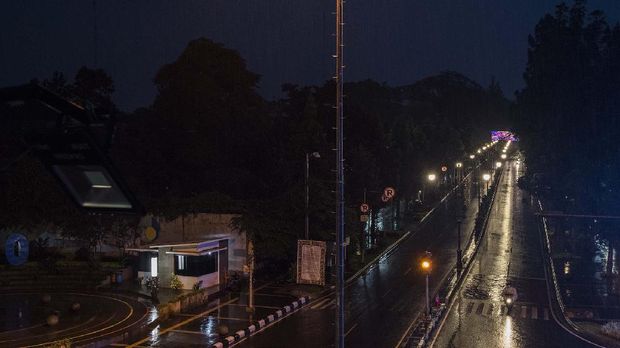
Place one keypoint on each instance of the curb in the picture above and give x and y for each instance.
(261, 324)
(431, 336)
(393, 246)
(555, 293)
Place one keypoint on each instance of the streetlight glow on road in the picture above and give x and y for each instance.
(459, 164)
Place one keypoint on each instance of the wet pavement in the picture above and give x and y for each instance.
(511, 250)
(99, 317)
(199, 327)
(382, 303)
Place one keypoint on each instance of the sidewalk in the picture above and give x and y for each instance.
(589, 298)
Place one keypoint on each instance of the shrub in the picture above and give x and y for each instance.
(175, 283)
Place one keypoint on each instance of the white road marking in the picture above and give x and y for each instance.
(351, 329)
(387, 292)
(329, 304)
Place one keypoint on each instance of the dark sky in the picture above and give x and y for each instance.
(393, 41)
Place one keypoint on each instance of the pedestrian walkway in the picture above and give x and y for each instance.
(497, 309)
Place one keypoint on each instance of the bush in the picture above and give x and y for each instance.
(612, 329)
(175, 283)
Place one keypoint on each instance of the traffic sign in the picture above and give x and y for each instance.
(444, 169)
(385, 198)
(389, 192)
(364, 208)
(364, 218)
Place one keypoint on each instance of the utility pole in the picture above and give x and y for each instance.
(250, 262)
(339, 178)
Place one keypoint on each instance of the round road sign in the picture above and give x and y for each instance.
(389, 192)
(364, 208)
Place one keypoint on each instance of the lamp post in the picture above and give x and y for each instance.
(459, 172)
(459, 252)
(486, 177)
(431, 178)
(426, 267)
(314, 155)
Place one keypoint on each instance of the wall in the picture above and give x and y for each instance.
(203, 226)
(207, 280)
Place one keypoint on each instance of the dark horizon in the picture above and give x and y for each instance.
(384, 42)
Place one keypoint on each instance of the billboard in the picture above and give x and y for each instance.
(311, 262)
(503, 135)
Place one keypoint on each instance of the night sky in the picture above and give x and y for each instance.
(392, 41)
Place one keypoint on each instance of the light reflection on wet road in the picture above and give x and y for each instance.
(381, 304)
(510, 251)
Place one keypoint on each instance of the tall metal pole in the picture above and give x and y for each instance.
(307, 234)
(251, 280)
(459, 252)
(428, 301)
(340, 178)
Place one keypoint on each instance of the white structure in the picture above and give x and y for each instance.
(197, 248)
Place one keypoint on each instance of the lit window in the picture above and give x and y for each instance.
(180, 262)
(153, 266)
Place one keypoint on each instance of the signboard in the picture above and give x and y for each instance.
(364, 208)
(311, 262)
(444, 169)
(16, 249)
(389, 192)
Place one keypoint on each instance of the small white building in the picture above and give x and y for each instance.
(196, 248)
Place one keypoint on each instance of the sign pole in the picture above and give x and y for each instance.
(340, 230)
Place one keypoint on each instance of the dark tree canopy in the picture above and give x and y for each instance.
(568, 111)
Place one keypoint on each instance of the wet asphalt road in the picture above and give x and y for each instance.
(511, 250)
(380, 305)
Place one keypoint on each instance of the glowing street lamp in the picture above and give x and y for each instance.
(486, 177)
(426, 266)
(431, 179)
(472, 156)
(498, 164)
(504, 156)
(479, 151)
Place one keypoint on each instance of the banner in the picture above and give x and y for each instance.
(311, 262)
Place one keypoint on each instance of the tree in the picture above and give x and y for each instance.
(206, 132)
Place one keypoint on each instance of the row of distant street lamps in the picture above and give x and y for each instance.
(426, 262)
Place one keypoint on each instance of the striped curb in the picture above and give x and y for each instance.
(262, 323)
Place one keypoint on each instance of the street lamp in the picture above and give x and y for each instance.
(426, 265)
(503, 156)
(459, 173)
(308, 155)
(431, 178)
(486, 177)
(498, 164)
(459, 252)
(472, 156)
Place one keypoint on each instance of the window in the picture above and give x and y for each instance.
(153, 266)
(195, 266)
(181, 262)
